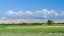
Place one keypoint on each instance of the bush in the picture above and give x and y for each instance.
(49, 22)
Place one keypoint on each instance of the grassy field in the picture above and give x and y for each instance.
(34, 30)
(32, 34)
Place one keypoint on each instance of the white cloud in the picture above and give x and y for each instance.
(61, 14)
(54, 12)
(45, 11)
(19, 13)
(10, 12)
(28, 12)
(37, 14)
(40, 13)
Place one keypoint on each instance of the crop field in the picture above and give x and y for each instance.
(38, 30)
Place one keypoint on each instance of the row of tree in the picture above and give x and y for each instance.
(49, 22)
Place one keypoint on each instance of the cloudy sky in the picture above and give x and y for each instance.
(34, 9)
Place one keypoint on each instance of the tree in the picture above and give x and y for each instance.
(49, 22)
(24, 23)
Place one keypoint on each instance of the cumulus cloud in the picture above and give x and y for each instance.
(10, 12)
(28, 12)
(19, 13)
(37, 14)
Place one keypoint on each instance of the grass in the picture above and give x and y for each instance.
(31, 34)
(32, 30)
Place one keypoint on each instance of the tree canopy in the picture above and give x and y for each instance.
(49, 22)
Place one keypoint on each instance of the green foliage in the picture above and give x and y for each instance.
(49, 22)
(2, 26)
(24, 23)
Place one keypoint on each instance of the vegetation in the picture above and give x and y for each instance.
(32, 34)
(32, 29)
(49, 22)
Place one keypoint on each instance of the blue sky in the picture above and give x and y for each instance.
(31, 6)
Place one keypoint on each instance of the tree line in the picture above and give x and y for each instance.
(49, 22)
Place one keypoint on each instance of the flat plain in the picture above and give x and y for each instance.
(33, 30)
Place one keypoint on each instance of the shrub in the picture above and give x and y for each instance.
(49, 22)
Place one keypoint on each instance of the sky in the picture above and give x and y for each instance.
(35, 9)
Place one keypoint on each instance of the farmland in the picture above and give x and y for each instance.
(32, 30)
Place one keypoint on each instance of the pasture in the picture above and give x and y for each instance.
(32, 30)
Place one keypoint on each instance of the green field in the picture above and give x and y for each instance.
(33, 30)
(32, 34)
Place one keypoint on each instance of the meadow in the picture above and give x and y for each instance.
(32, 30)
